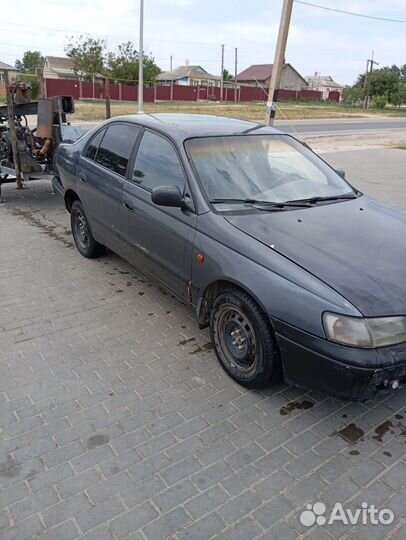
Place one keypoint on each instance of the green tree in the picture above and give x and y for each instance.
(30, 62)
(227, 75)
(400, 71)
(151, 70)
(35, 84)
(403, 73)
(387, 83)
(124, 62)
(399, 98)
(384, 82)
(87, 54)
(378, 102)
(353, 95)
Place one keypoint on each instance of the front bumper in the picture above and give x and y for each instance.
(345, 372)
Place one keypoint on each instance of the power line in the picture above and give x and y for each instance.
(350, 12)
(213, 60)
(105, 37)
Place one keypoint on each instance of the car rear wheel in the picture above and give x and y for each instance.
(82, 234)
(242, 338)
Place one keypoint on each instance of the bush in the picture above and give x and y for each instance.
(353, 96)
(379, 102)
(35, 85)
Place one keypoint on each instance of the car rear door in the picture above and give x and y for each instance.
(102, 169)
(158, 239)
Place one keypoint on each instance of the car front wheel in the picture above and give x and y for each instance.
(82, 234)
(242, 338)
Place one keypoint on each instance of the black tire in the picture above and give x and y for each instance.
(242, 339)
(82, 234)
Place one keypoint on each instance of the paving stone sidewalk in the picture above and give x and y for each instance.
(117, 422)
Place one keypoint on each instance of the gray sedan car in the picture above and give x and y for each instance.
(293, 269)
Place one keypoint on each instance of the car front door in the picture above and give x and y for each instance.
(100, 179)
(158, 239)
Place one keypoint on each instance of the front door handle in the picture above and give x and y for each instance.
(128, 207)
(82, 177)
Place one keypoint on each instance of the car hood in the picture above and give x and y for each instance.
(357, 247)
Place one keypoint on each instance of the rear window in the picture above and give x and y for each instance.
(94, 144)
(115, 147)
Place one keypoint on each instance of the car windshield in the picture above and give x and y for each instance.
(237, 169)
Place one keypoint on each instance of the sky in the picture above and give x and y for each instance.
(193, 31)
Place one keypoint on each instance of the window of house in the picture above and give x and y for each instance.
(157, 164)
(115, 147)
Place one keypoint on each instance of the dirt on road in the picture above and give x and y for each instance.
(356, 141)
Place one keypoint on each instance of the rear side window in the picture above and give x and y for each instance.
(157, 164)
(115, 147)
(93, 146)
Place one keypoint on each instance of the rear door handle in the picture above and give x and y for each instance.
(82, 177)
(129, 208)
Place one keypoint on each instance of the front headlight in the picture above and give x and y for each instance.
(364, 333)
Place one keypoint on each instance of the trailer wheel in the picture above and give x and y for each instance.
(82, 234)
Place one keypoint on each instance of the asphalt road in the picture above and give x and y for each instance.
(330, 125)
(342, 125)
(378, 172)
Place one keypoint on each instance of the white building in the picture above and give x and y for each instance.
(189, 76)
(6, 67)
(324, 84)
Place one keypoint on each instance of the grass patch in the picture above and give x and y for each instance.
(400, 146)
(93, 110)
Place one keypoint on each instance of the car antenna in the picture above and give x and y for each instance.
(156, 118)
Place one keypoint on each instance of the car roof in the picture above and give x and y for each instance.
(184, 126)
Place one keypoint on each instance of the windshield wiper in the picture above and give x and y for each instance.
(268, 204)
(315, 200)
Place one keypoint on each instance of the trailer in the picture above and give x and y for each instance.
(27, 146)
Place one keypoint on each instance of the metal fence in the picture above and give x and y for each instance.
(126, 92)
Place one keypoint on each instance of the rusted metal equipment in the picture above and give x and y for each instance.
(27, 151)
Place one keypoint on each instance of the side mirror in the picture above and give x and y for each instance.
(340, 172)
(167, 196)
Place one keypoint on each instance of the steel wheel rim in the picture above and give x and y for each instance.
(81, 229)
(236, 340)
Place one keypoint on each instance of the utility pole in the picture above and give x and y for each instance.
(367, 82)
(141, 61)
(12, 129)
(222, 73)
(278, 61)
(170, 63)
(364, 105)
(235, 75)
(107, 97)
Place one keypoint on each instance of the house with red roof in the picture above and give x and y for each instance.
(260, 75)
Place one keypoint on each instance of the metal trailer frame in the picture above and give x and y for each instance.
(51, 129)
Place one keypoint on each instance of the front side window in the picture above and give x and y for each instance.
(268, 168)
(115, 148)
(157, 164)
